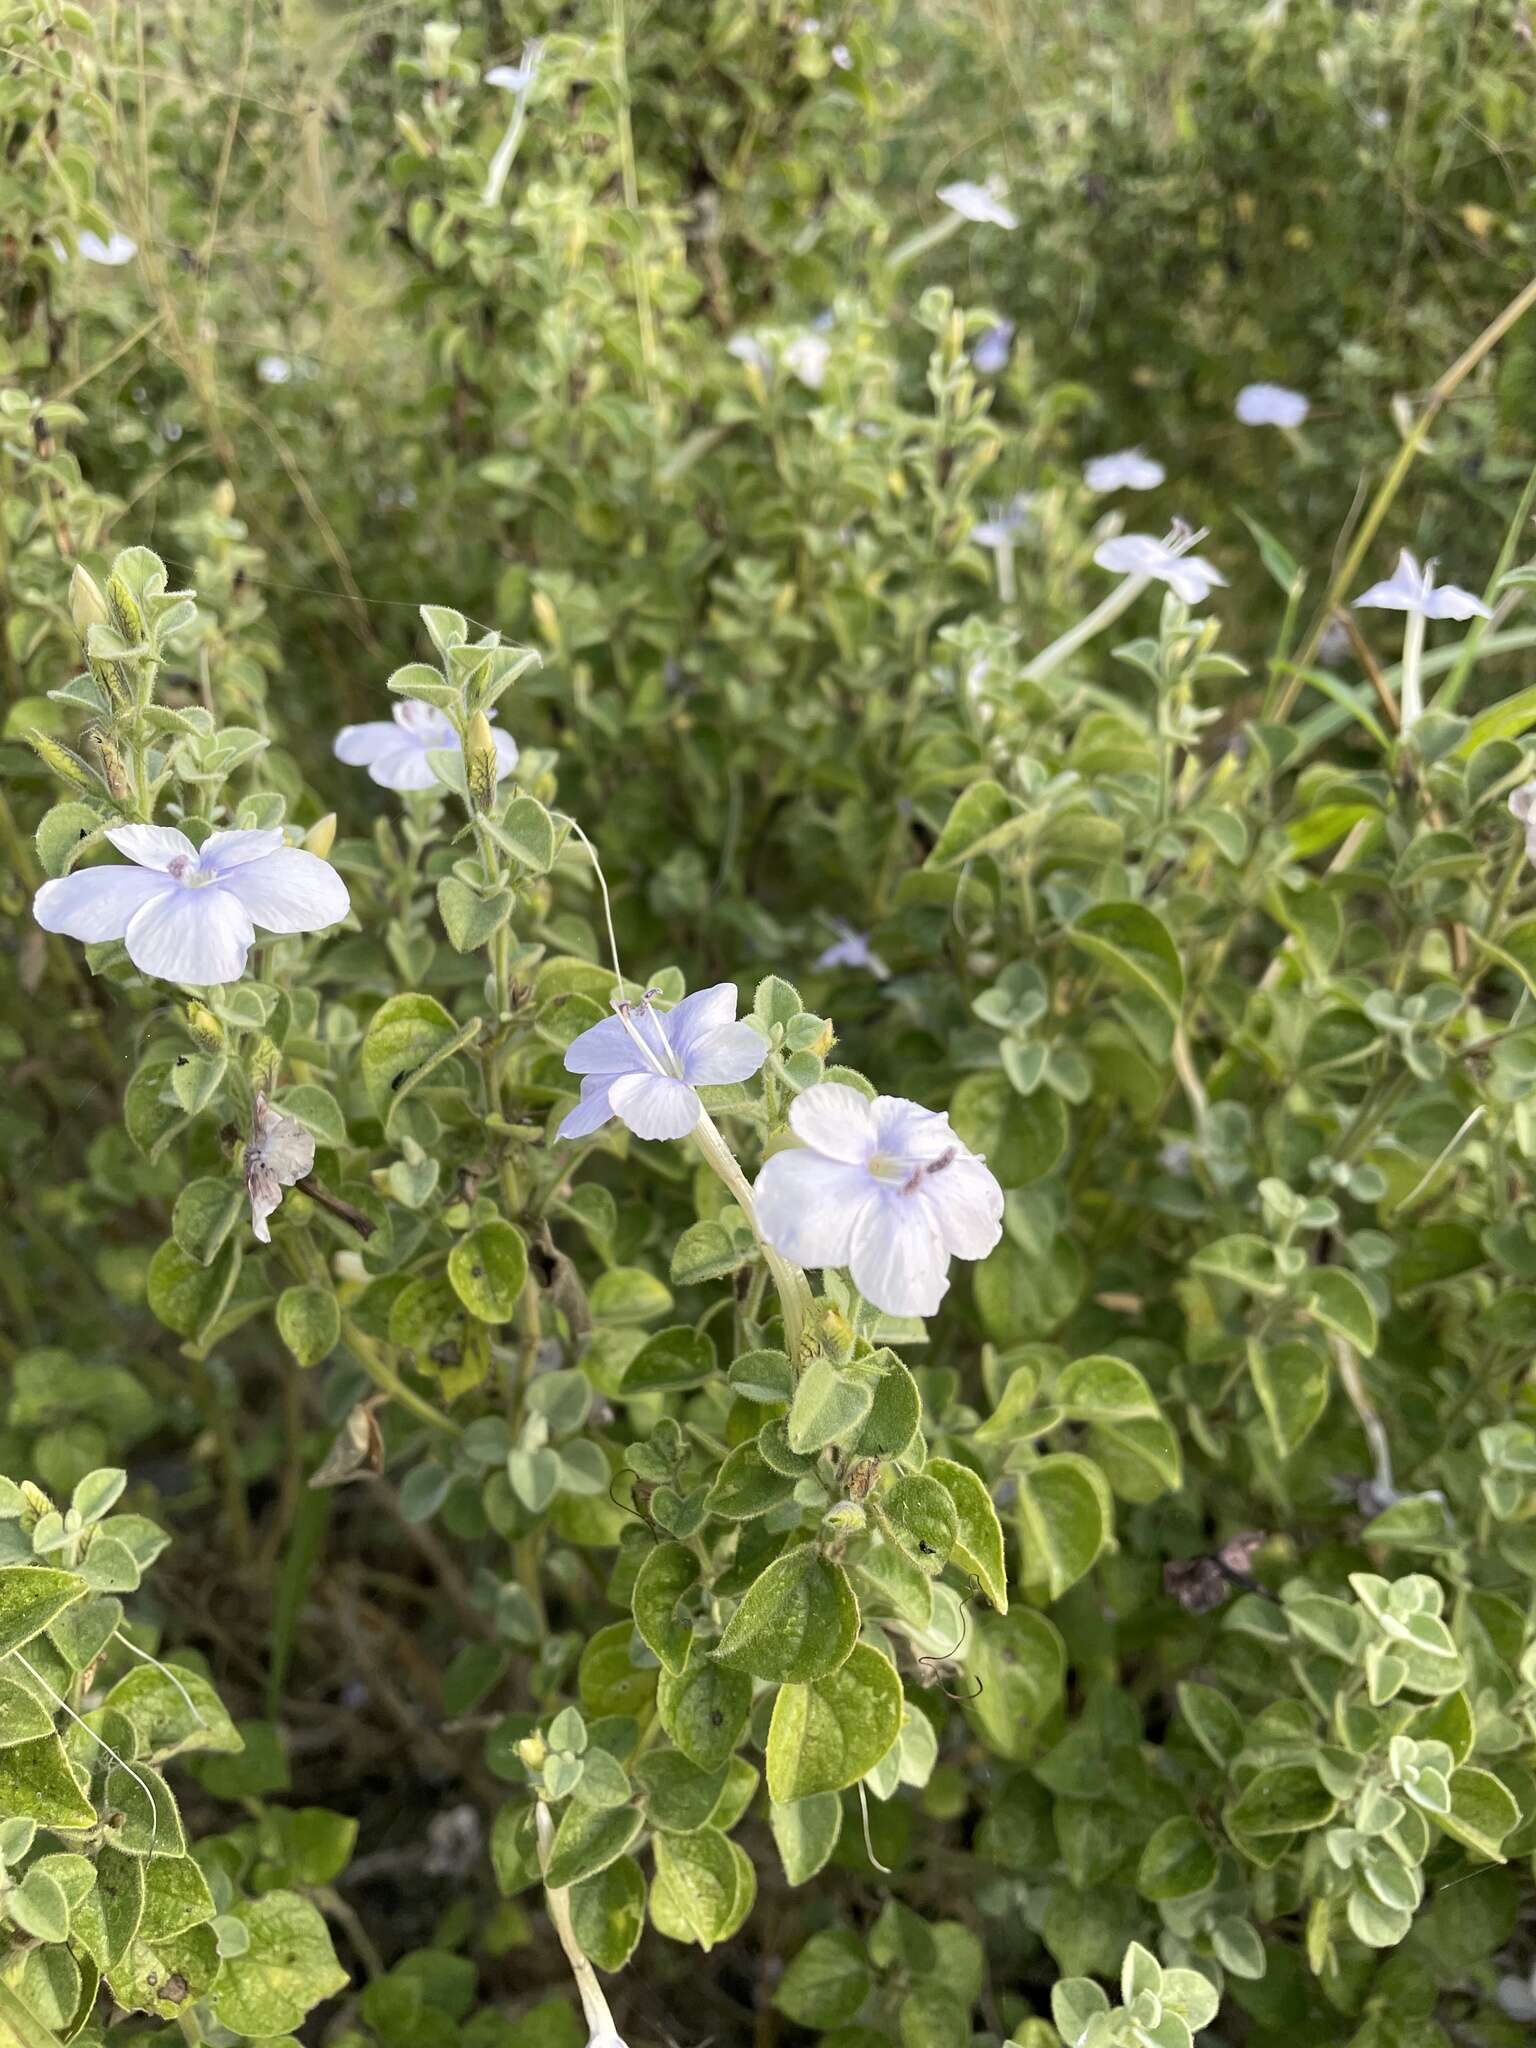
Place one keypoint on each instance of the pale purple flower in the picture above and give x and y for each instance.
(642, 1065)
(1522, 804)
(281, 1152)
(852, 949)
(806, 357)
(746, 348)
(1190, 577)
(842, 56)
(1412, 589)
(992, 350)
(274, 369)
(188, 914)
(395, 750)
(517, 78)
(119, 249)
(1131, 469)
(1271, 405)
(884, 1188)
(981, 203)
(1004, 523)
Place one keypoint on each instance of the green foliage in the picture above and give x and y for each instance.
(1142, 1643)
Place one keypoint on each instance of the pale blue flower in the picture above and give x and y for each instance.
(990, 355)
(188, 914)
(1412, 589)
(116, 251)
(274, 369)
(643, 1065)
(395, 750)
(980, 203)
(883, 1187)
(852, 949)
(1271, 405)
(1189, 577)
(1004, 523)
(1130, 469)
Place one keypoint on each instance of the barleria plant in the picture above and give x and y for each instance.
(784, 1109)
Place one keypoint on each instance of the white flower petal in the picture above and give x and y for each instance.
(506, 752)
(152, 846)
(119, 250)
(1192, 578)
(426, 724)
(897, 1261)
(1522, 802)
(977, 203)
(654, 1105)
(965, 1204)
(404, 768)
(196, 936)
(96, 904)
(591, 1113)
(807, 1205)
(1271, 405)
(835, 1120)
(734, 1054)
(1132, 554)
(606, 1048)
(1450, 601)
(360, 745)
(221, 851)
(1129, 470)
(290, 891)
(905, 1130)
(707, 1010)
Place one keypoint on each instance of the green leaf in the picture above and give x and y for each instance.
(488, 1269)
(23, 1717)
(1340, 1303)
(588, 1839)
(798, 1620)
(702, 1881)
(826, 1982)
(667, 1576)
(1103, 1389)
(828, 1406)
(978, 1546)
(471, 917)
(608, 1913)
(287, 1969)
(1134, 945)
(39, 1907)
(36, 1783)
(679, 1797)
(1483, 1812)
(176, 1895)
(805, 1833)
(30, 1597)
(309, 1322)
(205, 1213)
(527, 832)
(983, 820)
(1177, 1862)
(403, 1035)
(826, 1735)
(747, 1486)
(1021, 1137)
(1281, 1799)
(669, 1362)
(705, 1710)
(1066, 1517)
(108, 1919)
(173, 1710)
(1291, 1381)
(922, 1513)
(1215, 1722)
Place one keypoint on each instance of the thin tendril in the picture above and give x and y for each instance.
(602, 883)
(625, 1508)
(937, 1657)
(166, 1671)
(121, 1762)
(869, 1847)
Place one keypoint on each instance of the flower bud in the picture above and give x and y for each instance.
(532, 1751)
(321, 836)
(65, 764)
(207, 1032)
(114, 770)
(480, 762)
(87, 605)
(262, 1063)
(224, 499)
(124, 608)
